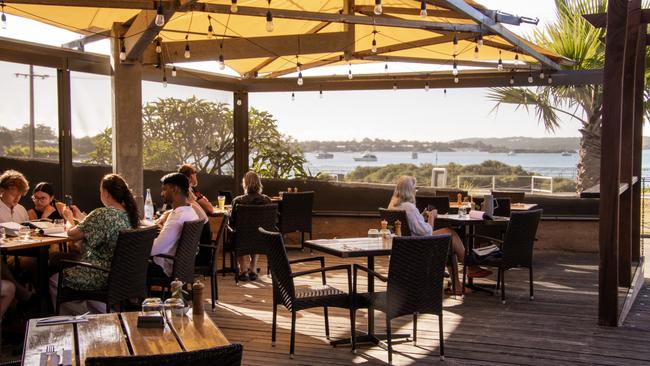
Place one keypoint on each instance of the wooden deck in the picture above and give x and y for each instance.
(559, 327)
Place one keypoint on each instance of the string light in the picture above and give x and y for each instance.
(173, 71)
(476, 52)
(426, 86)
(517, 62)
(423, 9)
(233, 6)
(3, 16)
(210, 33)
(541, 74)
(378, 9)
(293, 97)
(269, 19)
(374, 41)
(158, 46)
(530, 78)
(394, 86)
(238, 101)
(187, 53)
(386, 68)
(160, 15)
(350, 76)
(222, 63)
(454, 71)
(512, 80)
(320, 94)
(456, 80)
(164, 81)
(444, 93)
(500, 63)
(480, 40)
(300, 80)
(122, 49)
(455, 41)
(550, 79)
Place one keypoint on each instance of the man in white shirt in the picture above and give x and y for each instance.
(13, 186)
(175, 188)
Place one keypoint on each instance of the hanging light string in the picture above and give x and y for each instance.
(233, 6)
(222, 61)
(3, 17)
(160, 15)
(423, 9)
(269, 18)
(210, 32)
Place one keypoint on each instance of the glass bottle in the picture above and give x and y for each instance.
(148, 206)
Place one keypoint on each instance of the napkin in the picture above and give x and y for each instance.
(476, 214)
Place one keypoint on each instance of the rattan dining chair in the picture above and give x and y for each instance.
(393, 215)
(515, 196)
(414, 284)
(184, 259)
(206, 260)
(295, 214)
(295, 298)
(440, 203)
(229, 355)
(126, 277)
(516, 248)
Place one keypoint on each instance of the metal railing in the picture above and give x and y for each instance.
(532, 184)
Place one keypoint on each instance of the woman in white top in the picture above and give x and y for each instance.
(421, 224)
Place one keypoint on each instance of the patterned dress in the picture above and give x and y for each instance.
(101, 229)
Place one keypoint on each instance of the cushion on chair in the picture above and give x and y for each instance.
(317, 291)
(320, 295)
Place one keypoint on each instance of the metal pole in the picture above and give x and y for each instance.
(32, 130)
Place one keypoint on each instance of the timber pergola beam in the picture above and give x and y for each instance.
(442, 13)
(599, 20)
(80, 43)
(498, 29)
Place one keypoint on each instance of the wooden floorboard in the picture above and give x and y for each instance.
(559, 327)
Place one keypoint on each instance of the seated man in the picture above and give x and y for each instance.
(175, 188)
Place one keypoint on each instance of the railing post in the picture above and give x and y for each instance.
(458, 181)
(532, 184)
(551, 185)
(494, 179)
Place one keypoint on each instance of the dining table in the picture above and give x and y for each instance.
(354, 248)
(38, 245)
(514, 206)
(117, 334)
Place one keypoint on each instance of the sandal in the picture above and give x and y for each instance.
(242, 277)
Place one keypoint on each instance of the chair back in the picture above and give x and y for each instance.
(229, 355)
(440, 203)
(393, 215)
(228, 195)
(295, 211)
(186, 250)
(204, 255)
(502, 207)
(515, 196)
(207, 257)
(416, 275)
(283, 288)
(519, 238)
(246, 237)
(127, 278)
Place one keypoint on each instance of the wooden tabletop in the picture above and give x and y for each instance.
(36, 240)
(352, 247)
(113, 334)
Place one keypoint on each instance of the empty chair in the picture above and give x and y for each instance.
(245, 237)
(206, 260)
(295, 298)
(295, 213)
(184, 259)
(229, 355)
(393, 215)
(126, 277)
(440, 203)
(414, 283)
(516, 248)
(515, 196)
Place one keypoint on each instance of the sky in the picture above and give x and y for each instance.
(402, 114)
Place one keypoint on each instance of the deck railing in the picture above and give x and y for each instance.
(532, 184)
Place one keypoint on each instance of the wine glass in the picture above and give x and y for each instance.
(24, 232)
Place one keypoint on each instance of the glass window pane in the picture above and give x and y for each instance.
(91, 118)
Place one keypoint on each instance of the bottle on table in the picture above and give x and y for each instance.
(148, 206)
(384, 232)
(398, 228)
(197, 297)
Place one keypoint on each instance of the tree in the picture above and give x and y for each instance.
(573, 37)
(103, 148)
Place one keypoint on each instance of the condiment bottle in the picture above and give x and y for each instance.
(176, 287)
(398, 228)
(197, 297)
(384, 232)
(459, 199)
(295, 189)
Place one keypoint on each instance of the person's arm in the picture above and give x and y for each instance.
(163, 218)
(205, 205)
(168, 235)
(416, 222)
(32, 214)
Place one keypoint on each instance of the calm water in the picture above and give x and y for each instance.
(554, 165)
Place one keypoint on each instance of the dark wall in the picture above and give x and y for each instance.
(330, 196)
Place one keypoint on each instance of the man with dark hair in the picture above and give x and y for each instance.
(175, 187)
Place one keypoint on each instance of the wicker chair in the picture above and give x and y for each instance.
(393, 215)
(245, 239)
(414, 283)
(183, 267)
(126, 277)
(296, 299)
(206, 260)
(440, 203)
(295, 213)
(229, 355)
(516, 248)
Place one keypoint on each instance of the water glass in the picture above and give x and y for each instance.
(24, 232)
(152, 306)
(373, 233)
(221, 200)
(59, 222)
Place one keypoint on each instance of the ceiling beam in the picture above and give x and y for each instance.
(80, 43)
(469, 79)
(309, 65)
(415, 44)
(442, 61)
(500, 30)
(341, 18)
(118, 4)
(599, 20)
(441, 13)
(195, 78)
(143, 29)
(251, 47)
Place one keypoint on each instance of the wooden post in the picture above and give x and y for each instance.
(65, 131)
(127, 119)
(627, 145)
(610, 163)
(639, 85)
(240, 121)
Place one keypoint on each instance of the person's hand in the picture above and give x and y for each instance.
(68, 214)
(432, 216)
(425, 214)
(77, 213)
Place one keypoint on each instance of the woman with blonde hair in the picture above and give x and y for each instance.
(421, 224)
(252, 196)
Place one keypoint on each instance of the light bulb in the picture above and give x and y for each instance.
(222, 64)
(160, 16)
(233, 6)
(426, 87)
(187, 53)
(164, 81)
(454, 71)
(456, 80)
(445, 93)
(158, 46)
(210, 32)
(476, 53)
(298, 69)
(517, 62)
(293, 97)
(174, 71)
(320, 94)
(374, 46)
(550, 79)
(269, 21)
(378, 9)
(4, 20)
(122, 50)
(530, 78)
(394, 86)
(423, 9)
(350, 76)
(238, 101)
(500, 65)
(512, 80)
(300, 80)
(541, 74)
(386, 69)
(480, 40)
(455, 42)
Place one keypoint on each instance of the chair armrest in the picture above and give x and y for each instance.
(325, 269)
(82, 264)
(489, 238)
(310, 259)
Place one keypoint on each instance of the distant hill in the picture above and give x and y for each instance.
(528, 143)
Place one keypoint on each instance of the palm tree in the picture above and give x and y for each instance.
(572, 37)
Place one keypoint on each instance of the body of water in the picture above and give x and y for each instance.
(554, 165)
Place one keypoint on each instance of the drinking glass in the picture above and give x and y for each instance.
(24, 232)
(152, 306)
(59, 222)
(373, 233)
(3, 236)
(221, 200)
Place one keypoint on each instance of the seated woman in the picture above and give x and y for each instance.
(45, 206)
(404, 199)
(252, 196)
(195, 196)
(99, 232)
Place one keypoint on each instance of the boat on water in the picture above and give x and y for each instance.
(324, 155)
(512, 153)
(567, 153)
(414, 155)
(366, 157)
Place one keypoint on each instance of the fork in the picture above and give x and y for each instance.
(49, 350)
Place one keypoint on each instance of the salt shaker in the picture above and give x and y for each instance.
(197, 297)
(384, 232)
(398, 228)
